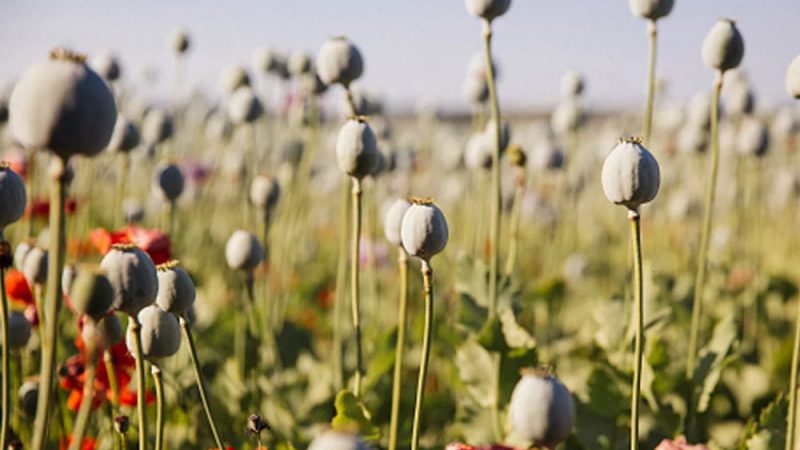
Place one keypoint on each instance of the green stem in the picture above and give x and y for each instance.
(201, 386)
(6, 360)
(341, 281)
(513, 233)
(791, 423)
(136, 328)
(351, 101)
(55, 266)
(427, 281)
(159, 383)
(397, 381)
(354, 291)
(85, 408)
(636, 240)
(112, 381)
(652, 31)
(122, 169)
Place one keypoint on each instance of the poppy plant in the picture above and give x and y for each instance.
(155, 242)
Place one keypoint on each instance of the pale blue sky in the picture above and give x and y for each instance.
(418, 48)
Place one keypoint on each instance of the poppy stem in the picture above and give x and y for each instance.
(354, 288)
(140, 382)
(6, 395)
(82, 419)
(427, 281)
(652, 32)
(159, 383)
(636, 241)
(397, 382)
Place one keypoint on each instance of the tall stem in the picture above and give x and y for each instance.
(702, 256)
(140, 382)
(636, 240)
(6, 397)
(397, 382)
(339, 299)
(82, 419)
(791, 423)
(55, 266)
(513, 232)
(122, 177)
(354, 292)
(159, 382)
(652, 31)
(427, 278)
(201, 386)
(112, 381)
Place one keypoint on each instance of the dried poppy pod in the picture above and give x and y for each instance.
(393, 222)
(34, 266)
(337, 440)
(179, 41)
(132, 275)
(19, 330)
(107, 66)
(157, 126)
(753, 137)
(542, 410)
(651, 9)
(168, 181)
(793, 78)
(299, 63)
(160, 331)
(244, 106)
(478, 152)
(125, 136)
(91, 293)
(13, 196)
(176, 291)
(243, 251)
(339, 61)
(265, 191)
(723, 48)
(572, 84)
(424, 231)
(103, 332)
(630, 175)
(487, 9)
(28, 394)
(63, 106)
(356, 148)
(233, 78)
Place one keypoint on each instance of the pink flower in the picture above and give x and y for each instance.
(679, 444)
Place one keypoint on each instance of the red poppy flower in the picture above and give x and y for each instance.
(17, 287)
(152, 240)
(39, 208)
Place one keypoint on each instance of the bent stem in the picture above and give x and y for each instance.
(201, 386)
(82, 419)
(402, 262)
(159, 382)
(354, 291)
(427, 277)
(6, 396)
(55, 266)
(140, 382)
(636, 241)
(652, 31)
(791, 423)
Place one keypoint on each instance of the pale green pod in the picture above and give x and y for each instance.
(265, 191)
(132, 275)
(630, 175)
(487, 9)
(160, 331)
(179, 41)
(753, 139)
(168, 181)
(542, 410)
(651, 9)
(233, 78)
(176, 290)
(793, 78)
(63, 106)
(34, 266)
(393, 222)
(424, 231)
(91, 293)
(339, 61)
(157, 126)
(107, 66)
(337, 440)
(243, 251)
(299, 63)
(356, 148)
(13, 196)
(19, 330)
(723, 48)
(125, 136)
(572, 84)
(244, 106)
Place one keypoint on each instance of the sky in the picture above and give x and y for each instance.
(418, 49)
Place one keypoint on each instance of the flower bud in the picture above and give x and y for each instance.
(265, 191)
(356, 148)
(339, 61)
(19, 330)
(34, 266)
(12, 196)
(91, 293)
(337, 440)
(132, 275)
(572, 84)
(753, 138)
(244, 106)
(157, 127)
(243, 251)
(487, 9)
(168, 181)
(161, 333)
(179, 41)
(542, 410)
(299, 63)
(176, 291)
(793, 78)
(125, 137)
(107, 66)
(630, 174)
(28, 397)
(651, 9)
(723, 48)
(64, 106)
(424, 230)
(393, 222)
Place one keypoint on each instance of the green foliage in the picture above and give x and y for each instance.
(352, 415)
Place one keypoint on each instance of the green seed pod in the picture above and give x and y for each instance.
(793, 78)
(132, 275)
(176, 290)
(337, 440)
(179, 41)
(542, 410)
(244, 106)
(107, 330)
(107, 66)
(572, 84)
(723, 48)
(265, 191)
(487, 9)
(157, 126)
(339, 61)
(234, 77)
(356, 148)
(393, 222)
(28, 397)
(161, 333)
(299, 63)
(651, 9)
(13, 196)
(243, 251)
(34, 266)
(424, 231)
(125, 137)
(19, 330)
(168, 181)
(64, 106)
(630, 175)
(91, 293)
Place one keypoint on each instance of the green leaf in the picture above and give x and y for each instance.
(769, 431)
(474, 365)
(515, 335)
(491, 336)
(712, 361)
(606, 398)
(470, 315)
(352, 415)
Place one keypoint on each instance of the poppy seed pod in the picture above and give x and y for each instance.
(339, 61)
(244, 106)
(125, 136)
(13, 196)
(28, 396)
(793, 78)
(179, 41)
(132, 275)
(19, 330)
(753, 138)
(356, 148)
(487, 9)
(34, 266)
(157, 126)
(651, 9)
(243, 251)
(105, 332)
(572, 84)
(161, 333)
(393, 222)
(630, 174)
(568, 116)
(176, 291)
(168, 181)
(107, 66)
(20, 252)
(337, 440)
(265, 192)
(476, 90)
(235, 77)
(478, 152)
(542, 409)
(299, 63)
(91, 293)
(266, 59)
(505, 133)
(64, 106)
(723, 48)
(424, 230)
